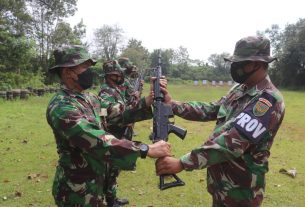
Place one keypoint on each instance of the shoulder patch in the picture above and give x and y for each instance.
(253, 121)
(261, 107)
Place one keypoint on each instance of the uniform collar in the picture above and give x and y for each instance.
(254, 90)
(72, 93)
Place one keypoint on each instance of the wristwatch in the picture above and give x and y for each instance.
(143, 150)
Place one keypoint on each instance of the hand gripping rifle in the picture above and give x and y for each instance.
(161, 124)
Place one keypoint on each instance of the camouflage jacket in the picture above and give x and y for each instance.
(117, 95)
(236, 153)
(130, 80)
(128, 89)
(85, 149)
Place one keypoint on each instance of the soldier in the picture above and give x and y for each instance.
(78, 121)
(248, 117)
(130, 75)
(112, 91)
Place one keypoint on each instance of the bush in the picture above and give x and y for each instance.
(22, 80)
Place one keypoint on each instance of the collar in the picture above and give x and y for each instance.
(254, 90)
(242, 89)
(72, 93)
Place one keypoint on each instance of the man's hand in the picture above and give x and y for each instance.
(142, 83)
(149, 99)
(159, 149)
(163, 84)
(136, 94)
(168, 165)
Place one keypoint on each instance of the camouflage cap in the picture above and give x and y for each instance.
(70, 56)
(253, 48)
(134, 68)
(125, 63)
(112, 67)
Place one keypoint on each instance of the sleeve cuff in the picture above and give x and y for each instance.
(186, 162)
(175, 105)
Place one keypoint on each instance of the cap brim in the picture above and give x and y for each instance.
(235, 58)
(113, 72)
(68, 65)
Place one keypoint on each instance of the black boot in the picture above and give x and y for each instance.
(121, 201)
(116, 202)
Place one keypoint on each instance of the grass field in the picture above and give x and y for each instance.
(28, 156)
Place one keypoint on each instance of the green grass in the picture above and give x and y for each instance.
(27, 147)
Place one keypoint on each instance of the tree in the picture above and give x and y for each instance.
(108, 40)
(166, 59)
(289, 47)
(181, 56)
(290, 69)
(15, 47)
(221, 70)
(64, 35)
(138, 54)
(47, 16)
(14, 17)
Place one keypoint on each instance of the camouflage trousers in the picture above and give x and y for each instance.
(110, 187)
(230, 202)
(87, 193)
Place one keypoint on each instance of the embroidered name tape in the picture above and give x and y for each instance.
(249, 126)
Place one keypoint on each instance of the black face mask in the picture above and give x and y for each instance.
(118, 81)
(237, 73)
(85, 79)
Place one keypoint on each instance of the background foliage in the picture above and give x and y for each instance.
(31, 29)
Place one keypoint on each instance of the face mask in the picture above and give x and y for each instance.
(118, 81)
(134, 75)
(85, 79)
(237, 73)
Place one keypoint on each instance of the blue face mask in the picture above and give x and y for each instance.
(85, 79)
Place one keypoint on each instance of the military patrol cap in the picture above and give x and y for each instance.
(125, 63)
(70, 56)
(112, 67)
(253, 48)
(134, 68)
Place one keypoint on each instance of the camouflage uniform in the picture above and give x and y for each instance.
(236, 153)
(86, 151)
(115, 94)
(128, 86)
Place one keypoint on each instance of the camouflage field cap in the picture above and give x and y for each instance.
(112, 67)
(134, 68)
(70, 56)
(253, 48)
(125, 63)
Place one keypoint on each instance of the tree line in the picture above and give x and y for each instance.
(31, 29)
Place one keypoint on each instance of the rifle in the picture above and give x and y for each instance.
(128, 132)
(138, 86)
(161, 124)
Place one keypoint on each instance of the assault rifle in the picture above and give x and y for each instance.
(161, 124)
(138, 85)
(128, 132)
